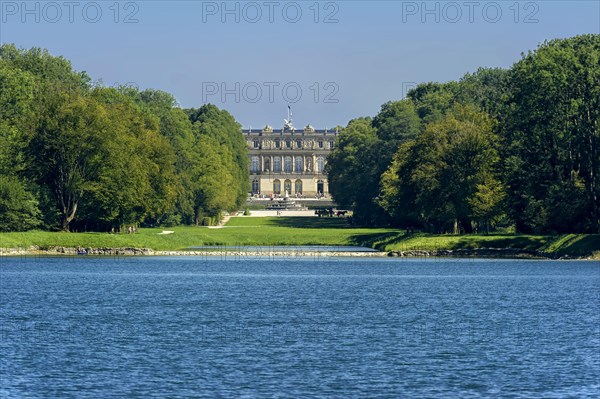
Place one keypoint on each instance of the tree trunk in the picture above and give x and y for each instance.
(68, 216)
(466, 225)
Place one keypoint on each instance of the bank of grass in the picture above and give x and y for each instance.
(242, 231)
(239, 231)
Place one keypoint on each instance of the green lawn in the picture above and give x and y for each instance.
(301, 231)
(239, 231)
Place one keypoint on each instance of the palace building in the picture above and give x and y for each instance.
(288, 160)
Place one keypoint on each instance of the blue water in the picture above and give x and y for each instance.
(285, 248)
(296, 328)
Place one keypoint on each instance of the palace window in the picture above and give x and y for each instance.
(298, 186)
(331, 144)
(255, 187)
(277, 143)
(267, 164)
(254, 164)
(320, 144)
(299, 164)
(276, 164)
(288, 186)
(256, 143)
(288, 144)
(298, 143)
(276, 186)
(287, 165)
(320, 186)
(320, 164)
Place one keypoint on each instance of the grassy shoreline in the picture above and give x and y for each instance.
(244, 231)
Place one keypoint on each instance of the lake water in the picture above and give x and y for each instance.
(311, 327)
(292, 249)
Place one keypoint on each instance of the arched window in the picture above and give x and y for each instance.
(267, 165)
(287, 164)
(320, 187)
(298, 143)
(288, 186)
(255, 187)
(276, 186)
(299, 164)
(298, 186)
(254, 164)
(277, 164)
(320, 164)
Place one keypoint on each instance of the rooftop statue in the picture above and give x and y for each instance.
(287, 123)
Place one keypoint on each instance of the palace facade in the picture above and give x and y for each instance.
(289, 160)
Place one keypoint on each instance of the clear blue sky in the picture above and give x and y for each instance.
(370, 52)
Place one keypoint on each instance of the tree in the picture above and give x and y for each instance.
(487, 88)
(96, 157)
(17, 117)
(69, 148)
(364, 151)
(352, 170)
(444, 177)
(432, 100)
(220, 168)
(176, 127)
(133, 181)
(552, 157)
(397, 122)
(49, 69)
(18, 207)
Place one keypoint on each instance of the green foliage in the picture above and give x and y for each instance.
(51, 71)
(220, 169)
(135, 181)
(446, 178)
(18, 207)
(535, 162)
(68, 150)
(552, 131)
(364, 151)
(17, 117)
(103, 158)
(432, 100)
(397, 121)
(351, 168)
(488, 89)
(497, 147)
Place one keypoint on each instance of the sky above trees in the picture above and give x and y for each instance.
(346, 57)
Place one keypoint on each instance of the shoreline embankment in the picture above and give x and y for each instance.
(467, 253)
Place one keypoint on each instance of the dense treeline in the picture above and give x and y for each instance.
(77, 156)
(497, 149)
